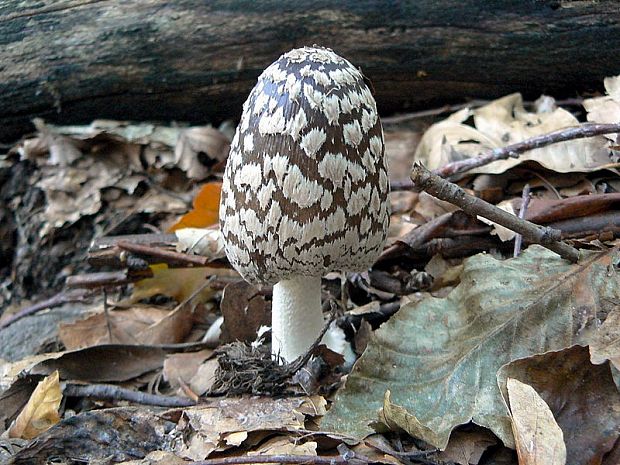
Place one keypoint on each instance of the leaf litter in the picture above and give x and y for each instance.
(505, 320)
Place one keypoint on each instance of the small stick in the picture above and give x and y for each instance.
(309, 459)
(514, 150)
(445, 190)
(112, 392)
(106, 311)
(163, 254)
(525, 201)
(74, 295)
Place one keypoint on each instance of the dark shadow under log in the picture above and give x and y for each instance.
(71, 61)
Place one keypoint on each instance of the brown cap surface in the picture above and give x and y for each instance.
(305, 188)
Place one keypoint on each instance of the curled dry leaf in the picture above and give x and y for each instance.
(206, 429)
(41, 411)
(502, 122)
(538, 437)
(207, 242)
(606, 109)
(196, 142)
(583, 398)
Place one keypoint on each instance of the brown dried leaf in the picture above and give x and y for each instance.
(180, 368)
(205, 428)
(140, 324)
(104, 363)
(204, 140)
(285, 446)
(502, 122)
(605, 344)
(538, 437)
(606, 109)
(582, 397)
(41, 411)
(467, 447)
(244, 310)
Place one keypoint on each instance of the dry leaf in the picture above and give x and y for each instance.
(502, 122)
(141, 324)
(583, 398)
(538, 437)
(285, 446)
(606, 109)
(200, 141)
(178, 283)
(205, 428)
(41, 411)
(606, 341)
(206, 208)
(207, 242)
(180, 368)
(467, 447)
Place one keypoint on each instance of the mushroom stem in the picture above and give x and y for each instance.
(296, 316)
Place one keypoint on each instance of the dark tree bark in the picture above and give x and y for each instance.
(71, 61)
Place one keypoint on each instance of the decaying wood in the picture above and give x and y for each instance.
(195, 61)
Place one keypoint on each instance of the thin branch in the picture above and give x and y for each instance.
(163, 254)
(75, 295)
(525, 201)
(112, 392)
(445, 190)
(309, 459)
(514, 150)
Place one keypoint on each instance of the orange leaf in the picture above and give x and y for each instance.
(206, 208)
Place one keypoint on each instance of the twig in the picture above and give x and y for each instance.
(163, 254)
(75, 295)
(401, 185)
(309, 459)
(514, 150)
(445, 190)
(106, 311)
(112, 392)
(525, 201)
(103, 279)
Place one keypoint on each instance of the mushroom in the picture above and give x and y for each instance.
(305, 187)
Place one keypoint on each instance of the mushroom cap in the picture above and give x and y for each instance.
(305, 187)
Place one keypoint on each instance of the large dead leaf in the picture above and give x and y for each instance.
(538, 437)
(227, 422)
(41, 411)
(582, 397)
(503, 122)
(440, 357)
(140, 324)
(104, 363)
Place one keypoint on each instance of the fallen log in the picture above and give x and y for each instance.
(72, 61)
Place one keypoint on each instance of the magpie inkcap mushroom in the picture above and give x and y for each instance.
(305, 187)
